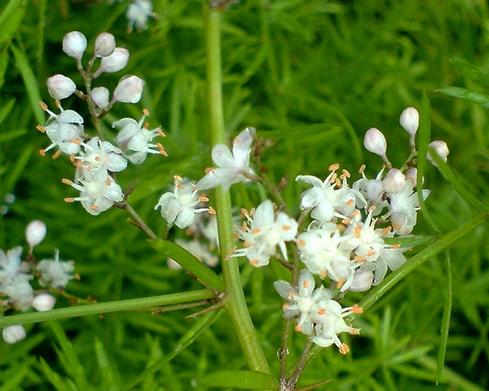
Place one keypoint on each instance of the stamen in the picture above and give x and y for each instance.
(146, 112)
(212, 211)
(209, 170)
(42, 152)
(41, 128)
(67, 181)
(69, 199)
(333, 167)
(340, 283)
(203, 198)
(57, 154)
(43, 106)
(356, 309)
(322, 311)
(344, 348)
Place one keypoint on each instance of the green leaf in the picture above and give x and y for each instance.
(10, 19)
(462, 93)
(54, 378)
(445, 322)
(18, 169)
(241, 380)
(190, 263)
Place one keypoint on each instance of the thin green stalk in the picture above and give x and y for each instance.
(108, 307)
(235, 301)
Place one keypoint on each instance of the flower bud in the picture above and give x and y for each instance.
(401, 223)
(129, 90)
(441, 148)
(60, 87)
(362, 281)
(104, 45)
(74, 44)
(412, 175)
(43, 302)
(13, 334)
(100, 96)
(115, 62)
(35, 233)
(374, 141)
(409, 120)
(394, 181)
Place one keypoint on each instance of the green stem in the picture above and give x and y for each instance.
(108, 307)
(235, 301)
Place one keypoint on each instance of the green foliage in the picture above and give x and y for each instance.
(311, 76)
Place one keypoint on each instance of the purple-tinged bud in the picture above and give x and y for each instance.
(74, 44)
(362, 281)
(441, 149)
(60, 87)
(115, 62)
(409, 120)
(394, 181)
(13, 334)
(129, 90)
(375, 142)
(100, 96)
(43, 302)
(104, 45)
(35, 233)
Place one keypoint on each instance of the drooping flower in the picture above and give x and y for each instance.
(55, 273)
(232, 167)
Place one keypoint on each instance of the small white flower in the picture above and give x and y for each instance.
(114, 62)
(99, 156)
(232, 167)
(55, 273)
(74, 44)
(409, 120)
(60, 86)
(362, 281)
(180, 206)
(13, 334)
(440, 148)
(35, 233)
(370, 193)
(104, 45)
(375, 142)
(11, 265)
(138, 14)
(19, 291)
(43, 302)
(129, 90)
(135, 140)
(100, 96)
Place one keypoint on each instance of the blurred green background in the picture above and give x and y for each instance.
(311, 76)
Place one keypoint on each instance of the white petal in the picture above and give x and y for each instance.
(222, 157)
(310, 180)
(264, 214)
(242, 147)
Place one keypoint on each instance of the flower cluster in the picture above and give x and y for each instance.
(19, 278)
(97, 160)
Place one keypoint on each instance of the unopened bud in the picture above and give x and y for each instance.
(401, 223)
(74, 44)
(394, 181)
(412, 175)
(375, 142)
(409, 120)
(100, 96)
(13, 334)
(362, 281)
(441, 149)
(35, 233)
(104, 45)
(60, 87)
(43, 302)
(129, 90)
(115, 62)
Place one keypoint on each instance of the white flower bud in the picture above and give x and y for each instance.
(104, 45)
(74, 44)
(362, 281)
(100, 96)
(35, 232)
(60, 87)
(441, 148)
(401, 224)
(13, 334)
(409, 120)
(412, 175)
(43, 302)
(115, 62)
(375, 142)
(129, 90)
(394, 181)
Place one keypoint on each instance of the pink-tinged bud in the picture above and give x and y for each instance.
(412, 175)
(35, 232)
(115, 62)
(13, 334)
(100, 96)
(375, 142)
(129, 90)
(43, 302)
(441, 149)
(362, 281)
(74, 44)
(394, 181)
(60, 87)
(410, 120)
(104, 45)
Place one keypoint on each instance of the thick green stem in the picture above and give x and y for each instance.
(235, 301)
(110, 306)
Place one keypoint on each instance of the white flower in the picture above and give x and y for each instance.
(394, 181)
(64, 130)
(370, 193)
(129, 90)
(104, 45)
(138, 13)
(391, 258)
(20, 291)
(35, 232)
(232, 167)
(43, 302)
(97, 193)
(60, 86)
(265, 232)
(74, 44)
(362, 281)
(99, 156)
(11, 265)
(409, 120)
(180, 206)
(100, 96)
(55, 273)
(13, 334)
(135, 140)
